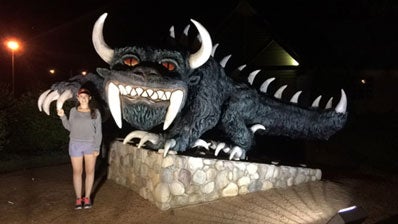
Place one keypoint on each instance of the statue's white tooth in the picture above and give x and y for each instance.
(139, 91)
(114, 103)
(174, 107)
(128, 89)
(144, 94)
(154, 96)
(168, 94)
(161, 95)
(122, 90)
(150, 92)
(133, 92)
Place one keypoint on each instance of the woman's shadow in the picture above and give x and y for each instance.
(110, 134)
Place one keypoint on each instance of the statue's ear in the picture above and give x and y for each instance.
(103, 72)
(194, 80)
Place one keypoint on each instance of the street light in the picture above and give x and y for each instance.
(13, 46)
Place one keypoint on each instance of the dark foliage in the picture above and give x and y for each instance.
(6, 104)
(29, 131)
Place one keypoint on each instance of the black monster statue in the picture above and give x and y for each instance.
(190, 94)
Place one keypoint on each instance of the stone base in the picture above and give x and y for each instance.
(175, 181)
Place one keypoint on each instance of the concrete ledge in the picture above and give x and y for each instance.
(175, 181)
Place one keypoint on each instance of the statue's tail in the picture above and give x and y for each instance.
(289, 119)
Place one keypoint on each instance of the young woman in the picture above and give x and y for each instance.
(84, 125)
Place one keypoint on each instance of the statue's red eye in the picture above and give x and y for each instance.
(130, 61)
(169, 65)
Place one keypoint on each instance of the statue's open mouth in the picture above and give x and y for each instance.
(174, 98)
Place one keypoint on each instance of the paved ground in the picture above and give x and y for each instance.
(45, 195)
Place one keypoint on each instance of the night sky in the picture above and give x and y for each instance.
(358, 34)
(347, 33)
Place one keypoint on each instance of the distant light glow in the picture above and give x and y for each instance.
(13, 45)
(84, 73)
(347, 209)
(52, 71)
(363, 81)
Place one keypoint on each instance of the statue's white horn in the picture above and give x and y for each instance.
(102, 49)
(202, 55)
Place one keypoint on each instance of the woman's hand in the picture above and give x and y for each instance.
(60, 112)
(96, 153)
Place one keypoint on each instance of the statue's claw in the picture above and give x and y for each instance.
(237, 153)
(143, 136)
(153, 138)
(42, 98)
(48, 99)
(256, 127)
(202, 143)
(219, 146)
(66, 95)
(169, 144)
(148, 137)
(226, 149)
(213, 144)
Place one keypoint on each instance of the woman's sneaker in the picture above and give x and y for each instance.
(87, 203)
(79, 203)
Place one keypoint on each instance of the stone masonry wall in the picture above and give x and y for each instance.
(176, 181)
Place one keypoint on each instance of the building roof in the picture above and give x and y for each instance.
(250, 39)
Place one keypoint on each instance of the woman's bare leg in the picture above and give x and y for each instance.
(89, 161)
(77, 166)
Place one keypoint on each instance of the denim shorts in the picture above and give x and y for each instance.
(78, 148)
